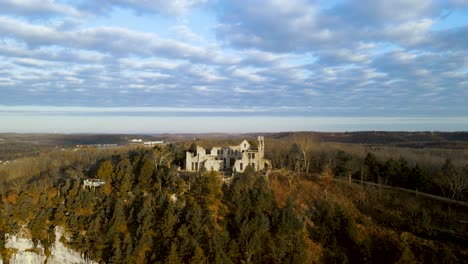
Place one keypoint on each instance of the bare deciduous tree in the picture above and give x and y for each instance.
(305, 143)
(162, 155)
(277, 154)
(453, 181)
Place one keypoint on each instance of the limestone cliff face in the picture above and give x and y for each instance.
(23, 251)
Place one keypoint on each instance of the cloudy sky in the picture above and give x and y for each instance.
(233, 66)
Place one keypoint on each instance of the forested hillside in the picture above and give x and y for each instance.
(149, 212)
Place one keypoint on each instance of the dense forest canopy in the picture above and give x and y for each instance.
(303, 211)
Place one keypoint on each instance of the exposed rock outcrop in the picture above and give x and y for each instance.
(23, 251)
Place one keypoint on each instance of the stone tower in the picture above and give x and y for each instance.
(261, 146)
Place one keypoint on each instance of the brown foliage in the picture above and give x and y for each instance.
(12, 198)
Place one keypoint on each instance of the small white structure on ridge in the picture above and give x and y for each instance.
(93, 182)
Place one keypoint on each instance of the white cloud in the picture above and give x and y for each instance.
(311, 92)
(37, 8)
(115, 40)
(173, 7)
(302, 26)
(258, 58)
(27, 62)
(381, 12)
(185, 33)
(272, 25)
(153, 63)
(85, 110)
(410, 33)
(248, 75)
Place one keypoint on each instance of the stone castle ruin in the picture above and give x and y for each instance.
(229, 158)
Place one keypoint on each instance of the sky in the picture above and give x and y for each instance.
(181, 66)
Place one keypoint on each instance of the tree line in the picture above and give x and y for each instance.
(304, 155)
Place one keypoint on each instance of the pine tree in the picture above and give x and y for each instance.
(169, 220)
(117, 256)
(289, 243)
(123, 178)
(417, 179)
(211, 194)
(372, 166)
(146, 179)
(128, 246)
(198, 256)
(105, 170)
(390, 172)
(118, 221)
(403, 172)
(173, 257)
(105, 173)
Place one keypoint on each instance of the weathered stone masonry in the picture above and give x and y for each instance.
(230, 158)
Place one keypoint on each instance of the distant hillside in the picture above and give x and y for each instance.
(401, 139)
(14, 146)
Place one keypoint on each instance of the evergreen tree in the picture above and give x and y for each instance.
(372, 167)
(198, 257)
(117, 256)
(343, 161)
(390, 172)
(403, 173)
(289, 244)
(173, 257)
(105, 170)
(211, 194)
(417, 179)
(119, 224)
(146, 179)
(105, 173)
(123, 178)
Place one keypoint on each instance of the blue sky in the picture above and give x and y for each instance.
(233, 66)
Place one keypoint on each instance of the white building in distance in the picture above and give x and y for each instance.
(153, 143)
(228, 159)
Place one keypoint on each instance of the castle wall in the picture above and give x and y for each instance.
(235, 158)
